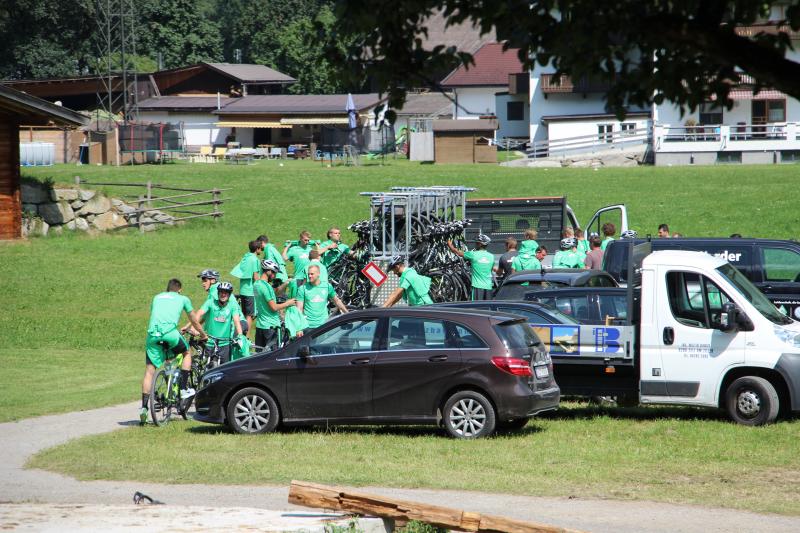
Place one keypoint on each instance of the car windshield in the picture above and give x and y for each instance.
(515, 290)
(753, 295)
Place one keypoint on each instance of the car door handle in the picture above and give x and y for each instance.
(361, 361)
(669, 335)
(437, 358)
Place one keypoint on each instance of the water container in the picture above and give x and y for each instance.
(37, 154)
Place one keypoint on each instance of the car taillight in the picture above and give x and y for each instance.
(513, 365)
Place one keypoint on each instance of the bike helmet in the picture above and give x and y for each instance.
(225, 286)
(208, 274)
(628, 234)
(483, 239)
(593, 234)
(568, 242)
(396, 261)
(269, 264)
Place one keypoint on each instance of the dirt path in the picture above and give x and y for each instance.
(20, 440)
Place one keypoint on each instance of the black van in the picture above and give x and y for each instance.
(772, 265)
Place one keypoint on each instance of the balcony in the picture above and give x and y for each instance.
(726, 138)
(552, 84)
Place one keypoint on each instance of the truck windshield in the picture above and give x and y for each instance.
(753, 295)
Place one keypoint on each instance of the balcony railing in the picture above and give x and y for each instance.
(726, 137)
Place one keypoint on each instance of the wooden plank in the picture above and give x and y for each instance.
(326, 497)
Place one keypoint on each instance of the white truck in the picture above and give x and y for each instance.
(697, 332)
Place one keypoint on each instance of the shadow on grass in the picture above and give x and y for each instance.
(641, 413)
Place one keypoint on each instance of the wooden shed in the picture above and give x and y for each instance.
(464, 141)
(19, 108)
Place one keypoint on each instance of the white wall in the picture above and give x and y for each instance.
(511, 128)
(579, 128)
(476, 101)
(199, 128)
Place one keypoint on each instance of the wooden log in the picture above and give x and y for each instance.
(327, 497)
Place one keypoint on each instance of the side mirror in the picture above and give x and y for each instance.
(728, 319)
(304, 351)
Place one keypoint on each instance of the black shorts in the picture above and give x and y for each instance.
(248, 305)
(267, 338)
(481, 294)
(224, 352)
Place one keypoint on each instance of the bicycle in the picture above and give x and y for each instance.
(202, 361)
(165, 394)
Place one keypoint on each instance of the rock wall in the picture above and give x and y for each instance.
(47, 209)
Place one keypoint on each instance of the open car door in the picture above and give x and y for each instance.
(616, 214)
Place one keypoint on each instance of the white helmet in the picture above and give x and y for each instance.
(568, 242)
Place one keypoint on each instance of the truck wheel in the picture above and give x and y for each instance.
(752, 401)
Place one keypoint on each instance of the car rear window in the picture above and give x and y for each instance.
(517, 335)
(466, 338)
(516, 290)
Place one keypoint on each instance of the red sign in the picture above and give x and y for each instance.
(374, 273)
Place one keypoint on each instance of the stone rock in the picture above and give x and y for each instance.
(125, 209)
(106, 221)
(30, 208)
(85, 195)
(544, 163)
(57, 230)
(90, 218)
(34, 193)
(96, 206)
(63, 194)
(149, 227)
(41, 227)
(56, 213)
(81, 224)
(585, 163)
(77, 204)
(70, 225)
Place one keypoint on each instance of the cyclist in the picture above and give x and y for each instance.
(482, 262)
(209, 278)
(268, 319)
(333, 248)
(314, 259)
(248, 270)
(164, 341)
(297, 252)
(609, 229)
(568, 256)
(220, 316)
(313, 298)
(628, 234)
(413, 287)
(270, 252)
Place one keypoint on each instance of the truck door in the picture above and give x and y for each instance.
(780, 271)
(616, 214)
(694, 352)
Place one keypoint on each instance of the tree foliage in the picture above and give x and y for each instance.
(646, 50)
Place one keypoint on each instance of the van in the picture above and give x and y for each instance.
(771, 265)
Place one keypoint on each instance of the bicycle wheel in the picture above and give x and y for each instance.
(163, 397)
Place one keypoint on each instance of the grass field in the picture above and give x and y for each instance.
(662, 454)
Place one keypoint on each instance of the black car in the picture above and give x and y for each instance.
(587, 305)
(517, 284)
(536, 313)
(471, 371)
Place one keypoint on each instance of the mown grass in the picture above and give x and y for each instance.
(660, 454)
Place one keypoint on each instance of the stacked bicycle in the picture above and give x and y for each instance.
(450, 275)
(351, 285)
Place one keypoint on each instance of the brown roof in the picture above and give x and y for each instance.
(465, 37)
(300, 103)
(34, 111)
(432, 104)
(483, 124)
(179, 103)
(492, 67)
(250, 73)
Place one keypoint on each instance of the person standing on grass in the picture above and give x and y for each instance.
(583, 243)
(503, 268)
(568, 256)
(333, 248)
(413, 287)
(594, 259)
(314, 259)
(298, 252)
(220, 318)
(313, 298)
(270, 252)
(529, 245)
(268, 318)
(209, 279)
(164, 341)
(529, 261)
(482, 263)
(609, 230)
(248, 271)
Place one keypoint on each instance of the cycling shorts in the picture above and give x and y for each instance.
(166, 346)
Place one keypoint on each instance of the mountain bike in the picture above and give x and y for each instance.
(203, 361)
(165, 395)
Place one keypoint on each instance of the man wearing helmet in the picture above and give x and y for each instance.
(482, 263)
(268, 318)
(220, 318)
(568, 256)
(414, 287)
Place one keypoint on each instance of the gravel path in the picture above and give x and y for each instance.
(20, 440)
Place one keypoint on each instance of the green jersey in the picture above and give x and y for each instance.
(482, 263)
(525, 261)
(323, 271)
(265, 316)
(218, 320)
(213, 294)
(248, 266)
(165, 312)
(583, 246)
(333, 255)
(606, 241)
(529, 246)
(568, 259)
(299, 256)
(315, 302)
(270, 252)
(415, 287)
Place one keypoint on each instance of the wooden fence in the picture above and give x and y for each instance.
(148, 202)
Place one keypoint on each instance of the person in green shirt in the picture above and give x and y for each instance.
(482, 263)
(609, 229)
(583, 243)
(220, 319)
(333, 248)
(268, 318)
(314, 259)
(529, 261)
(248, 271)
(529, 245)
(164, 341)
(313, 298)
(298, 253)
(568, 256)
(413, 287)
(268, 251)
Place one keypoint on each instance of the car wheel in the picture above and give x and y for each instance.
(752, 401)
(469, 415)
(515, 424)
(252, 411)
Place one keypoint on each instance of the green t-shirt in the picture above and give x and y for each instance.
(315, 302)
(213, 294)
(333, 255)
(248, 266)
(270, 252)
(583, 246)
(606, 241)
(218, 320)
(323, 271)
(528, 245)
(568, 259)
(415, 287)
(525, 261)
(299, 256)
(482, 263)
(165, 312)
(265, 316)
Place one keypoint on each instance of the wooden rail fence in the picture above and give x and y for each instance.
(145, 202)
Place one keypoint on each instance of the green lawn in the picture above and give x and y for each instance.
(667, 454)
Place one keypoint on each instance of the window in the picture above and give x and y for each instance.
(356, 336)
(604, 132)
(694, 299)
(710, 113)
(768, 111)
(627, 128)
(781, 265)
(613, 306)
(416, 333)
(286, 133)
(466, 338)
(574, 306)
(515, 111)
